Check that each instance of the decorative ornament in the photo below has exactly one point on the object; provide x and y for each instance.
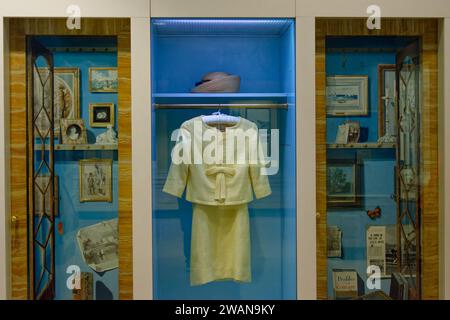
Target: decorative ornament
(375, 213)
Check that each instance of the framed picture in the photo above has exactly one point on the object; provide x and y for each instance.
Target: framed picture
(73, 131)
(103, 79)
(348, 132)
(343, 185)
(386, 102)
(95, 180)
(42, 195)
(66, 97)
(101, 114)
(347, 96)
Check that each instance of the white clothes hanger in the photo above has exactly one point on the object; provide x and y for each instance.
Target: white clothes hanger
(220, 118)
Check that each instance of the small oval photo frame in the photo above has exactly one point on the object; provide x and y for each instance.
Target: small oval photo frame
(101, 115)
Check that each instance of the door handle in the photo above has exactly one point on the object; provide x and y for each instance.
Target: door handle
(13, 220)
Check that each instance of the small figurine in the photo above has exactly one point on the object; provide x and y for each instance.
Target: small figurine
(375, 213)
(107, 137)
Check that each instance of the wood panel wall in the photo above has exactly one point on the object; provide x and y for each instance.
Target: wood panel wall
(426, 29)
(19, 29)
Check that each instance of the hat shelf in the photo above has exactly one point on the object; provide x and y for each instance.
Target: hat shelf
(259, 51)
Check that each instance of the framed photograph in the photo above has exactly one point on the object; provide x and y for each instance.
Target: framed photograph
(73, 131)
(343, 185)
(95, 180)
(66, 97)
(101, 114)
(103, 79)
(42, 195)
(386, 102)
(347, 96)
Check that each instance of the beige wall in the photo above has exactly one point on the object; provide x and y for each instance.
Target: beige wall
(389, 8)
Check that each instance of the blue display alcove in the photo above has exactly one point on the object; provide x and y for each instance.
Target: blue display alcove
(262, 53)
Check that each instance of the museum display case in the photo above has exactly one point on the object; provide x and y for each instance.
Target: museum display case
(223, 76)
(66, 147)
(380, 160)
(116, 135)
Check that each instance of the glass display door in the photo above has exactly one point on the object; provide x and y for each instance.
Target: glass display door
(408, 168)
(41, 171)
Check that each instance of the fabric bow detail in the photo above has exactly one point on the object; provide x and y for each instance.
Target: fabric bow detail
(220, 172)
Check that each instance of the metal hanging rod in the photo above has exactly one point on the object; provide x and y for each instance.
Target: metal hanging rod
(220, 105)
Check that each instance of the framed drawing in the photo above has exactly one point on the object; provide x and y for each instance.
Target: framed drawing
(101, 114)
(66, 97)
(343, 183)
(42, 195)
(73, 131)
(95, 180)
(347, 96)
(103, 79)
(386, 103)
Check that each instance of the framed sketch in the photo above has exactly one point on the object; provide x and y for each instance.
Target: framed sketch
(95, 180)
(334, 242)
(103, 79)
(347, 96)
(343, 183)
(101, 114)
(66, 97)
(42, 195)
(73, 131)
(386, 103)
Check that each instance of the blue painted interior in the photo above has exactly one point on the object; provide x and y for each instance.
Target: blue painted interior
(263, 54)
(377, 165)
(74, 214)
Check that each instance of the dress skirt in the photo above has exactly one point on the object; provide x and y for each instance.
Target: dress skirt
(220, 244)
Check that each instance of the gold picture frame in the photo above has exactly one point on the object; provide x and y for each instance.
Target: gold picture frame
(103, 79)
(101, 115)
(95, 180)
(347, 95)
(66, 87)
(73, 131)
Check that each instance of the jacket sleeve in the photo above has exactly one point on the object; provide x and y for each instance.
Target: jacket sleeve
(258, 176)
(179, 168)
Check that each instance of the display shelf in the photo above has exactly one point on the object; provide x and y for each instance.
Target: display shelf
(68, 147)
(177, 98)
(361, 145)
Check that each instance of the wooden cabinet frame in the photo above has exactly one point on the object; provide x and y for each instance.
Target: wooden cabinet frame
(427, 30)
(18, 30)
